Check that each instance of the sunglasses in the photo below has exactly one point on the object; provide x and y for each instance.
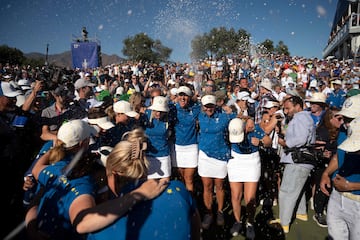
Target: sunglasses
(209, 106)
(209, 85)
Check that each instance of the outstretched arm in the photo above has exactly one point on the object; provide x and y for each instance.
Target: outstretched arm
(104, 214)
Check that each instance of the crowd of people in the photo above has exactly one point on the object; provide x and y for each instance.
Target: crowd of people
(134, 149)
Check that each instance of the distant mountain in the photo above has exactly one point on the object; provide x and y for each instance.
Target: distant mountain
(64, 60)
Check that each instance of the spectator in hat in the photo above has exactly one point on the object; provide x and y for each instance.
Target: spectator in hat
(158, 123)
(338, 95)
(348, 85)
(186, 134)
(222, 100)
(56, 219)
(99, 119)
(127, 169)
(313, 88)
(265, 94)
(317, 106)
(324, 88)
(84, 91)
(54, 115)
(214, 152)
(242, 104)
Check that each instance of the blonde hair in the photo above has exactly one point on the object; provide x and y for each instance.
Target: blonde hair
(58, 152)
(128, 156)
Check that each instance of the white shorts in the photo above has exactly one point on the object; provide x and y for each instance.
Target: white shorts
(211, 167)
(160, 167)
(186, 156)
(244, 167)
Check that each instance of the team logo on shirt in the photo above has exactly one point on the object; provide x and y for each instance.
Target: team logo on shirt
(348, 103)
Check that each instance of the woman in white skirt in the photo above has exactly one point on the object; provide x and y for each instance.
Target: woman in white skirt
(244, 169)
(158, 126)
(214, 152)
(186, 139)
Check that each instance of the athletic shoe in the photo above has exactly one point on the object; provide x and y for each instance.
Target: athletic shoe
(220, 221)
(250, 231)
(236, 229)
(285, 229)
(320, 219)
(208, 218)
(302, 217)
(277, 221)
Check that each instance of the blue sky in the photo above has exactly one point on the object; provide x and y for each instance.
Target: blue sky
(303, 25)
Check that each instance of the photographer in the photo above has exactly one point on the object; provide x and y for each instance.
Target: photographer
(300, 132)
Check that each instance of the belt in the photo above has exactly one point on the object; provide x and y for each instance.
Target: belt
(351, 196)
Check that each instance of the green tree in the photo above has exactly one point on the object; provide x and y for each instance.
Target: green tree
(199, 48)
(281, 48)
(142, 47)
(220, 42)
(11, 55)
(269, 45)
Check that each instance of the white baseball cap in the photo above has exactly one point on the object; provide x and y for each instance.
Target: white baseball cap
(123, 106)
(8, 90)
(318, 97)
(352, 142)
(270, 104)
(160, 104)
(184, 89)
(208, 99)
(351, 107)
(236, 130)
(245, 96)
(74, 131)
(102, 122)
(266, 83)
(82, 82)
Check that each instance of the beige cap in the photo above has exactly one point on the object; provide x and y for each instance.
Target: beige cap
(236, 130)
(123, 106)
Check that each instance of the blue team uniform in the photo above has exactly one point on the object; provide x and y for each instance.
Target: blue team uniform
(166, 217)
(213, 137)
(185, 124)
(60, 192)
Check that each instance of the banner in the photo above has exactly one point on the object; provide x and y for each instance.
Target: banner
(85, 55)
